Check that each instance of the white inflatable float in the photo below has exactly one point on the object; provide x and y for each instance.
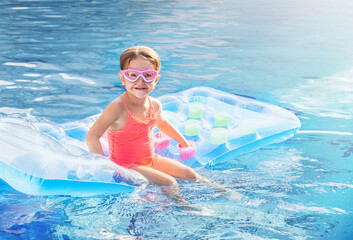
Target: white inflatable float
(46, 159)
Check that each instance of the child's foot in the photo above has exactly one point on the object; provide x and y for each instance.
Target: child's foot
(233, 195)
(198, 210)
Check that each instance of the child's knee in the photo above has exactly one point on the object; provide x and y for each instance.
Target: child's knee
(170, 182)
(190, 174)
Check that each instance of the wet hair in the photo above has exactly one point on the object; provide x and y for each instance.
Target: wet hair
(140, 52)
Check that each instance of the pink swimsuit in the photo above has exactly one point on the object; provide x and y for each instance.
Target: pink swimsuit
(134, 143)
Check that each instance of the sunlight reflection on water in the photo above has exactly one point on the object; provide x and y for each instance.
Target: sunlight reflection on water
(59, 63)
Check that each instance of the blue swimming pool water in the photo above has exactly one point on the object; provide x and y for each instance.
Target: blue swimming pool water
(59, 62)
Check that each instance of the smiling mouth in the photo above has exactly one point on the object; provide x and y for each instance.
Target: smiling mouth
(140, 88)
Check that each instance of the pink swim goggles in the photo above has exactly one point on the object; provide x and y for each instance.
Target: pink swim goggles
(132, 74)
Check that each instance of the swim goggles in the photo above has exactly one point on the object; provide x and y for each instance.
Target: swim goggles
(132, 74)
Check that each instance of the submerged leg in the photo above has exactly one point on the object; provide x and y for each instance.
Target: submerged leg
(168, 184)
(179, 170)
(212, 184)
(230, 194)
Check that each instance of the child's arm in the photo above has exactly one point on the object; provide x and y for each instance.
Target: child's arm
(109, 115)
(168, 129)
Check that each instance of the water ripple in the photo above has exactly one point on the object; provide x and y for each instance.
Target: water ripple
(59, 63)
(325, 97)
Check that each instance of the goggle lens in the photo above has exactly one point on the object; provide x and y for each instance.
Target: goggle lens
(132, 75)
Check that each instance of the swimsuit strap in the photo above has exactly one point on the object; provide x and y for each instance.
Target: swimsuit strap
(151, 107)
(124, 103)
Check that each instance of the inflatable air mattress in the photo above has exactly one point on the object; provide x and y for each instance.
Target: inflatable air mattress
(47, 159)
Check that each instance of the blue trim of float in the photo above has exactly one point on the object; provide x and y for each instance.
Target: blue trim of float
(33, 185)
(277, 138)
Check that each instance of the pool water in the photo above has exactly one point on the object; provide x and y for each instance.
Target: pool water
(59, 63)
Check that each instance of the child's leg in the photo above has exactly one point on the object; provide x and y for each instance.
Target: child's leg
(175, 168)
(168, 183)
(179, 170)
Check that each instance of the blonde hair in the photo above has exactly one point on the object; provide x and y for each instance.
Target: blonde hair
(140, 52)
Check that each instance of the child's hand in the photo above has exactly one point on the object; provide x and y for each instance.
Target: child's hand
(188, 150)
(185, 144)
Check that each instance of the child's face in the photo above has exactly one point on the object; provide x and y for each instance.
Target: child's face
(139, 88)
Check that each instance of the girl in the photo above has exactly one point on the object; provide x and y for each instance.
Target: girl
(130, 119)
